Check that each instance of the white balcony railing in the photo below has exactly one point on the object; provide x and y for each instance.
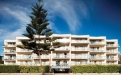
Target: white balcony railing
(10, 45)
(112, 51)
(24, 57)
(62, 48)
(79, 57)
(97, 50)
(62, 56)
(111, 45)
(23, 50)
(10, 52)
(79, 49)
(42, 57)
(79, 41)
(97, 42)
(112, 58)
(97, 57)
(10, 58)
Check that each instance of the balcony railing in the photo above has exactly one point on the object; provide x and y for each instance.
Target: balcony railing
(79, 57)
(23, 50)
(97, 57)
(62, 40)
(79, 41)
(10, 45)
(24, 57)
(112, 58)
(111, 45)
(97, 42)
(10, 52)
(79, 49)
(62, 56)
(112, 51)
(42, 57)
(97, 50)
(12, 58)
(62, 48)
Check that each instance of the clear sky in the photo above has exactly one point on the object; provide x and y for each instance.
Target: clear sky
(79, 17)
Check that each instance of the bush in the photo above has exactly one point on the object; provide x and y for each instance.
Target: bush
(33, 69)
(9, 68)
(1, 62)
(96, 69)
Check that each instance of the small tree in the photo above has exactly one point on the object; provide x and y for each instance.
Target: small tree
(39, 27)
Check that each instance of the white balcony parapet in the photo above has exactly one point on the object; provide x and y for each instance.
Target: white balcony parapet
(23, 50)
(97, 57)
(79, 41)
(112, 58)
(112, 51)
(111, 45)
(10, 45)
(42, 57)
(62, 48)
(97, 43)
(10, 58)
(10, 52)
(61, 56)
(24, 57)
(79, 57)
(97, 50)
(79, 49)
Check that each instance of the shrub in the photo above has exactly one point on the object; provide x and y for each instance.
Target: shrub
(9, 68)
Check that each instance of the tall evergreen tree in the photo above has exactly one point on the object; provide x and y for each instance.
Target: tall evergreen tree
(38, 27)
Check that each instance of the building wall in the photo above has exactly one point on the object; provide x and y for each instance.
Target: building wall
(75, 49)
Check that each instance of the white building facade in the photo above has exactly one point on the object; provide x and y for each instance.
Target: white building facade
(74, 50)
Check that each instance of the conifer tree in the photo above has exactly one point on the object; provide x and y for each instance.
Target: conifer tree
(37, 28)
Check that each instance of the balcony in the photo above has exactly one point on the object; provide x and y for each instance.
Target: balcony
(97, 43)
(75, 49)
(112, 59)
(24, 58)
(112, 52)
(79, 57)
(10, 45)
(61, 57)
(10, 52)
(64, 40)
(24, 51)
(79, 41)
(62, 49)
(97, 51)
(97, 58)
(112, 45)
(42, 57)
(10, 59)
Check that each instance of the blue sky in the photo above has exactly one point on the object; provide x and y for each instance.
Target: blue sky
(81, 17)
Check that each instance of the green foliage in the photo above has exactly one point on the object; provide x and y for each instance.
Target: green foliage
(1, 62)
(9, 68)
(33, 69)
(96, 68)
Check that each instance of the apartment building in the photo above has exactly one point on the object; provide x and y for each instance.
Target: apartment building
(74, 50)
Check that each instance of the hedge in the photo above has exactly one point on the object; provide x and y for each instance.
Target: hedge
(9, 68)
(33, 69)
(1, 62)
(96, 69)
(74, 69)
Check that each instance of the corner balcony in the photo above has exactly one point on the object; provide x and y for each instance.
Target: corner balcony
(79, 57)
(97, 51)
(10, 45)
(79, 41)
(111, 52)
(112, 45)
(112, 59)
(10, 52)
(61, 57)
(10, 59)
